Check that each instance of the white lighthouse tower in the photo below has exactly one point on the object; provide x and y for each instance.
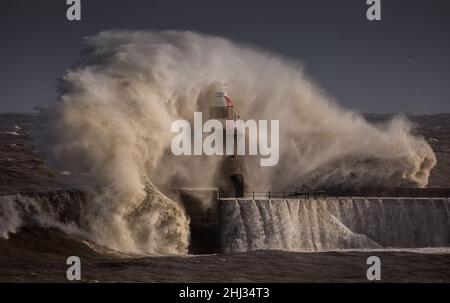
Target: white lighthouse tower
(222, 109)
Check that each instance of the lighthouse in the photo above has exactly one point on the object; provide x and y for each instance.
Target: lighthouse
(222, 107)
(231, 173)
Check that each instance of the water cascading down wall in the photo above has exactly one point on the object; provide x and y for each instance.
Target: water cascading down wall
(333, 223)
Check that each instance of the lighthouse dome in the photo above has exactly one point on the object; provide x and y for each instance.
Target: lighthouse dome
(222, 100)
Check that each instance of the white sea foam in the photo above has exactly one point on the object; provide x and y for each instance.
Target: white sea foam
(118, 102)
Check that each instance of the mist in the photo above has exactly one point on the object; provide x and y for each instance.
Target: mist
(113, 123)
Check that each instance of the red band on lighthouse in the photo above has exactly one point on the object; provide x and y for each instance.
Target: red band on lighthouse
(229, 101)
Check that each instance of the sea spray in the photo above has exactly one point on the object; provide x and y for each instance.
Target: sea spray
(116, 105)
(330, 224)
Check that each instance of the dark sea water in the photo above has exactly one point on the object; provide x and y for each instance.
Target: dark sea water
(36, 240)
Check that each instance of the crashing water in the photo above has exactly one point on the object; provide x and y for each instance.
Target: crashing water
(77, 213)
(63, 209)
(329, 224)
(113, 118)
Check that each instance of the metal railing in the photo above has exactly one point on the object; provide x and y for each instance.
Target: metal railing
(255, 195)
(403, 193)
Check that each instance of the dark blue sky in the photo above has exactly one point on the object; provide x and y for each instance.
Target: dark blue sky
(399, 64)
